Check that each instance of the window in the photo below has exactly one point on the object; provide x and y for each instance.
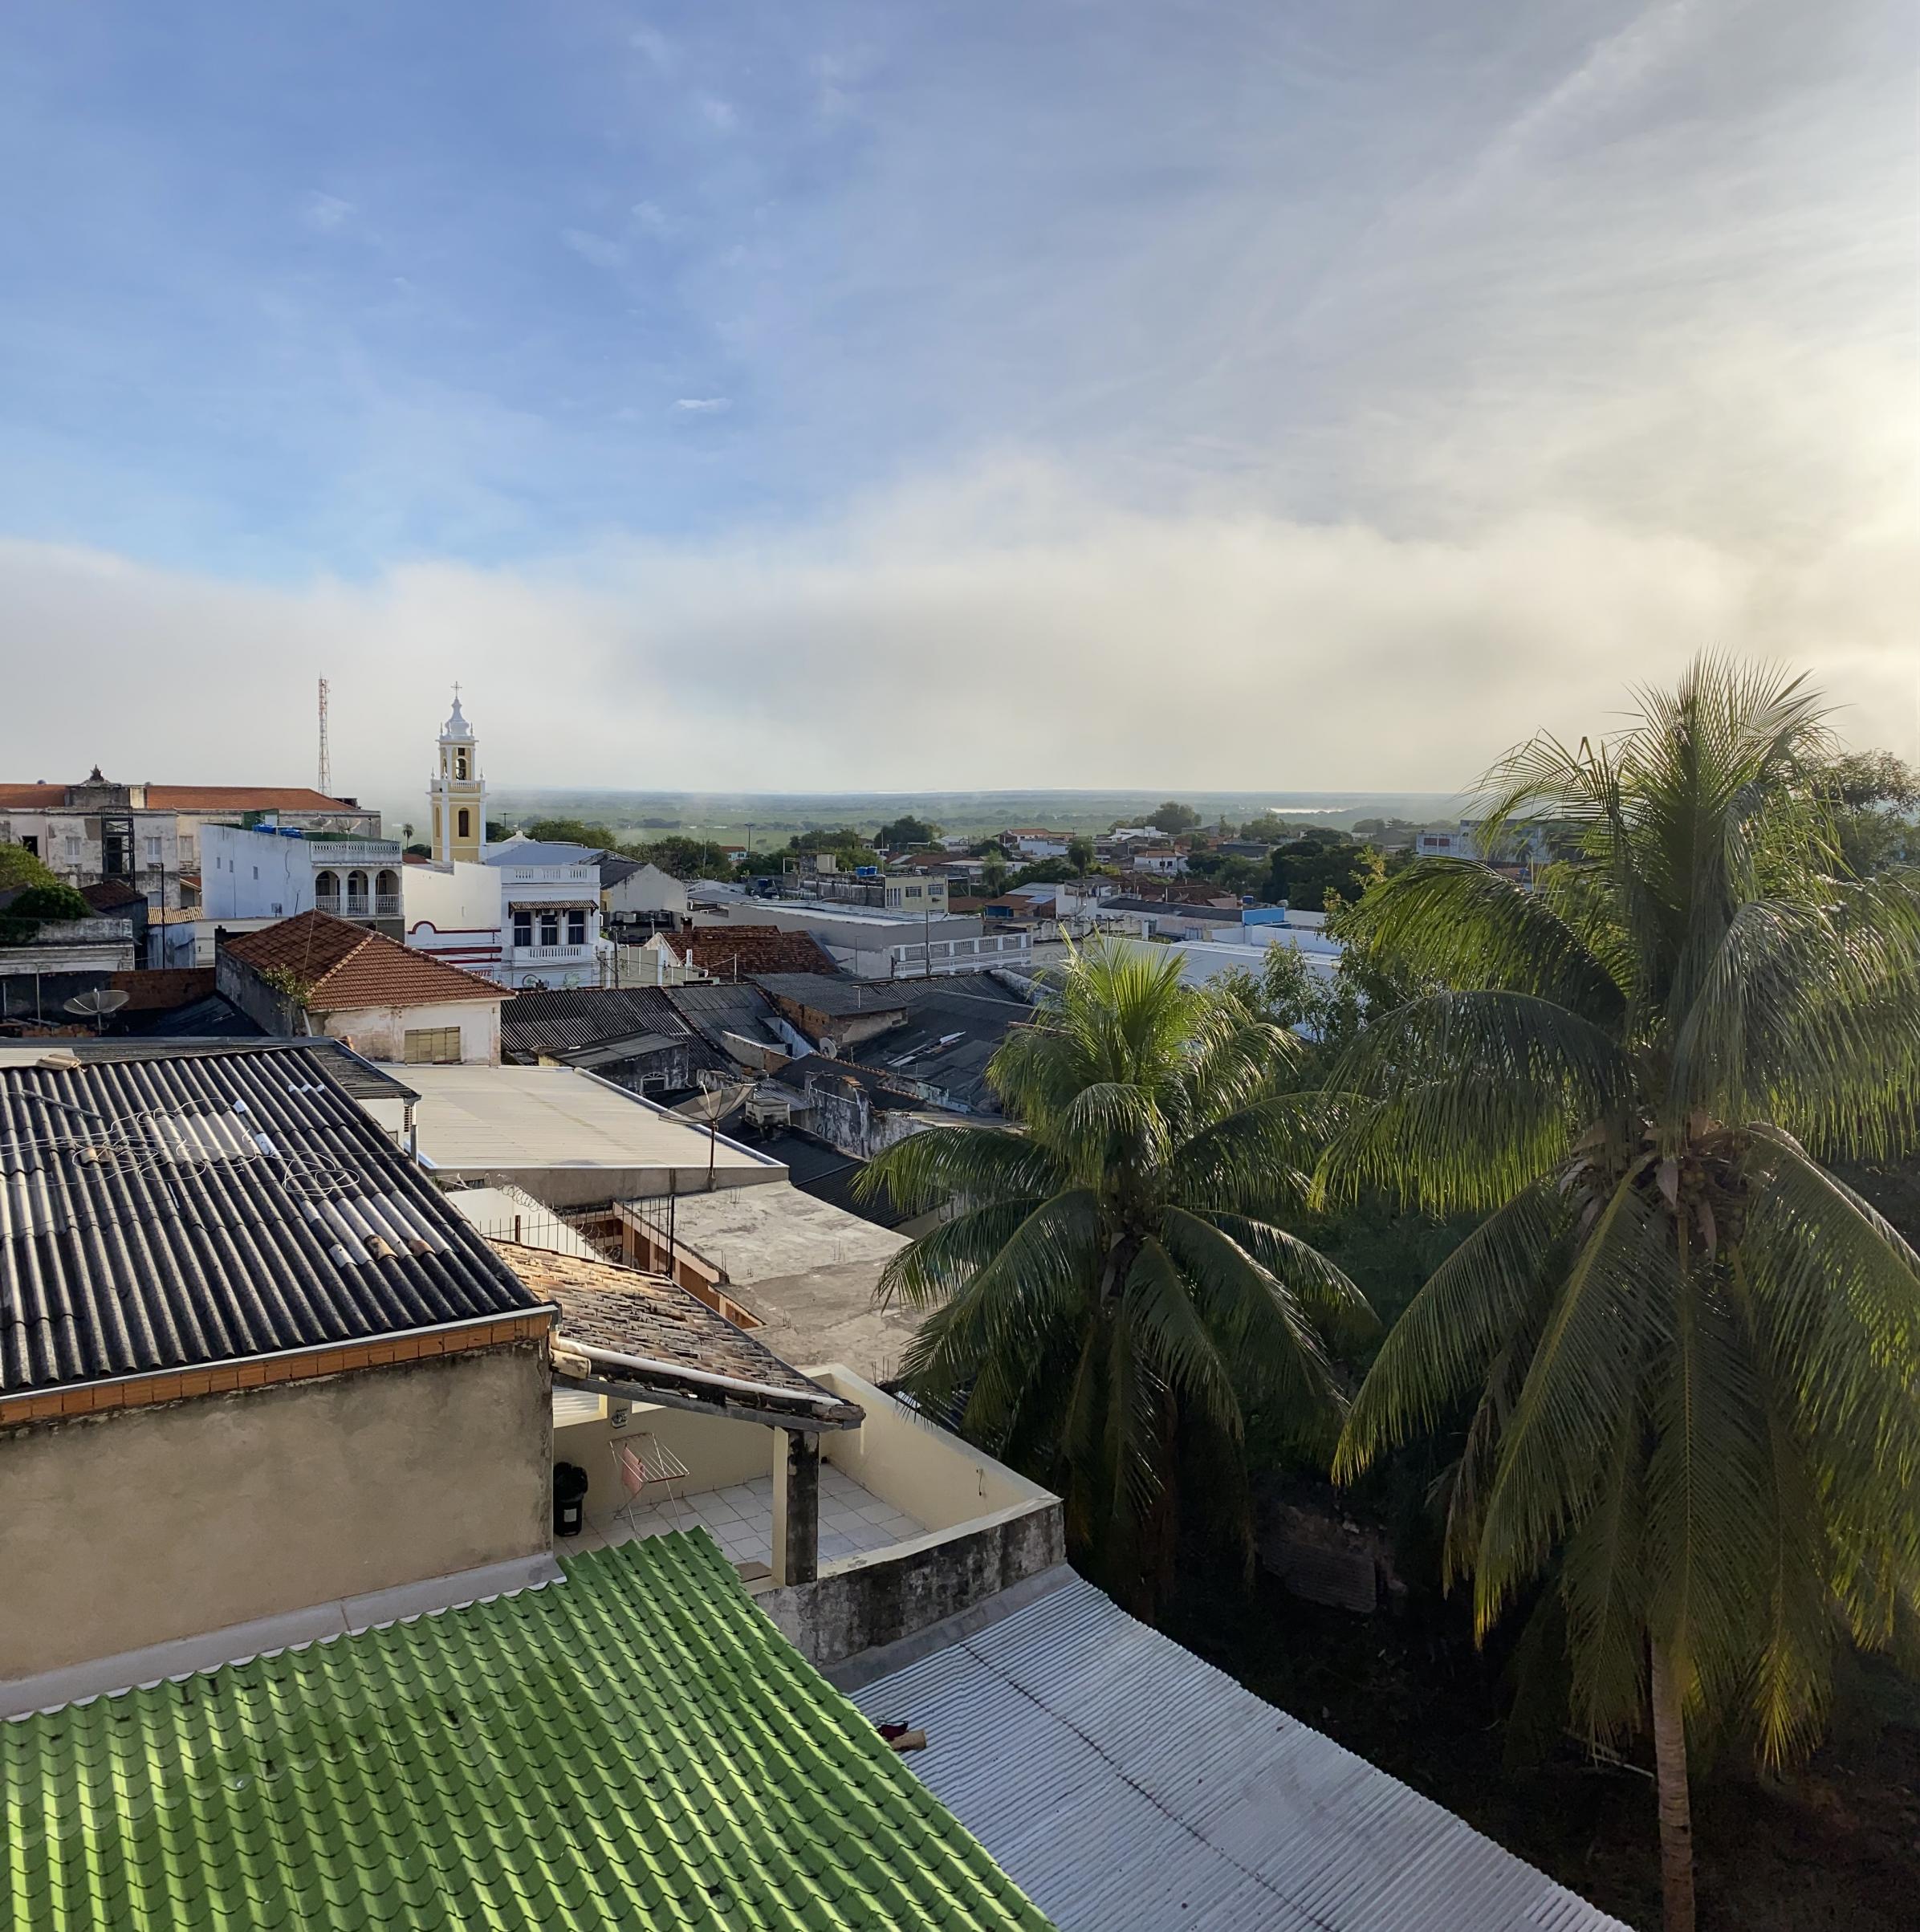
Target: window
(431, 1047)
(576, 928)
(465, 823)
(73, 846)
(460, 771)
(30, 842)
(153, 847)
(550, 929)
(522, 928)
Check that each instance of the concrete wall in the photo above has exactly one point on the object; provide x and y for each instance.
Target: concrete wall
(139, 1526)
(268, 1008)
(928, 1472)
(716, 1451)
(379, 1033)
(882, 1599)
(453, 911)
(255, 875)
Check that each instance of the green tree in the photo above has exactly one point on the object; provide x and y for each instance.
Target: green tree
(54, 901)
(993, 875)
(1872, 797)
(905, 831)
(1079, 854)
(19, 868)
(1304, 871)
(570, 832)
(1117, 1292)
(1685, 1355)
(1173, 817)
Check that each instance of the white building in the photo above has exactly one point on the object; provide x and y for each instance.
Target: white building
(151, 835)
(641, 897)
(1035, 842)
(521, 915)
(257, 876)
(1162, 861)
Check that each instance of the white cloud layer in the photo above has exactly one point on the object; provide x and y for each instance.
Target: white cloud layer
(1003, 626)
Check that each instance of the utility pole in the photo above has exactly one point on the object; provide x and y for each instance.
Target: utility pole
(325, 786)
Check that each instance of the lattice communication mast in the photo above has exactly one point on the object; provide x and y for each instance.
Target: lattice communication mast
(326, 783)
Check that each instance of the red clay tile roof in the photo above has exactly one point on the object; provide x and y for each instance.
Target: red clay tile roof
(349, 966)
(753, 949)
(192, 798)
(243, 798)
(105, 894)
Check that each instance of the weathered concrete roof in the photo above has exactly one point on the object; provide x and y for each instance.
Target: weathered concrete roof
(806, 1268)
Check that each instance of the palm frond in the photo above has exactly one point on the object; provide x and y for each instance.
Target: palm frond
(927, 1170)
(1441, 1348)
(1454, 922)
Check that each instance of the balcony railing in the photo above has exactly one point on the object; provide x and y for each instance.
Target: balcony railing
(360, 905)
(520, 953)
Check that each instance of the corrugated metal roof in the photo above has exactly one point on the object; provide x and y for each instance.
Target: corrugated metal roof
(163, 1213)
(353, 1076)
(832, 992)
(1127, 1786)
(564, 1020)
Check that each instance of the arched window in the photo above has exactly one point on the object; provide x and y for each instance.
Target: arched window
(387, 896)
(465, 823)
(356, 894)
(460, 762)
(327, 891)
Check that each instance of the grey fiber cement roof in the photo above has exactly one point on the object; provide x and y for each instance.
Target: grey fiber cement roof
(169, 1213)
(1127, 1786)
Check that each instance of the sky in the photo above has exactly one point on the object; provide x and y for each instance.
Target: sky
(836, 393)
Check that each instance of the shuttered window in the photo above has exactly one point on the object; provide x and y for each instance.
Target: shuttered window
(432, 1046)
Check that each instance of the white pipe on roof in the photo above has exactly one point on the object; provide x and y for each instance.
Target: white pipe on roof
(612, 1358)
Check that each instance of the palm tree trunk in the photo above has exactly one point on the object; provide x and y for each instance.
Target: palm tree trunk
(1676, 1812)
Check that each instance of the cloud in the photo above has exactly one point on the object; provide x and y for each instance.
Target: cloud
(599, 250)
(654, 46)
(1040, 632)
(651, 219)
(721, 115)
(325, 213)
(705, 405)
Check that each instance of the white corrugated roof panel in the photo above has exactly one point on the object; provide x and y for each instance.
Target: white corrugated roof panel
(1127, 1786)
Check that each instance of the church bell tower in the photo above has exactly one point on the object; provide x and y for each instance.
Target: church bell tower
(458, 794)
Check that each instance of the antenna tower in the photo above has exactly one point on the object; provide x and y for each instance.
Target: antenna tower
(326, 783)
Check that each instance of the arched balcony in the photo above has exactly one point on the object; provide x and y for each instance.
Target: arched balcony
(327, 892)
(386, 896)
(358, 906)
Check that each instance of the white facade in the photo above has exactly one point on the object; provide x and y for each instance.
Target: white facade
(418, 1035)
(1033, 843)
(647, 892)
(267, 875)
(520, 923)
(1162, 864)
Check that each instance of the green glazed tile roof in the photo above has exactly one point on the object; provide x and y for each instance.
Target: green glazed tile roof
(638, 1748)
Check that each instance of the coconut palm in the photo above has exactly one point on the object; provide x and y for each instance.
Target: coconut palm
(1685, 1356)
(1115, 1291)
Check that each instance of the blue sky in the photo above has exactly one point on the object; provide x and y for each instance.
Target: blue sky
(1038, 357)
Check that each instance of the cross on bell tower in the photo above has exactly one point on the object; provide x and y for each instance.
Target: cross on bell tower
(457, 794)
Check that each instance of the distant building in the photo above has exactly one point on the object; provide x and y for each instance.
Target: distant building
(637, 898)
(549, 913)
(1035, 842)
(150, 835)
(1159, 862)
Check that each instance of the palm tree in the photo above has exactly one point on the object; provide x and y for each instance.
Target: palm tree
(1114, 1293)
(1685, 1355)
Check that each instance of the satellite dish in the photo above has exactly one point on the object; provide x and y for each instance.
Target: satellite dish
(96, 1005)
